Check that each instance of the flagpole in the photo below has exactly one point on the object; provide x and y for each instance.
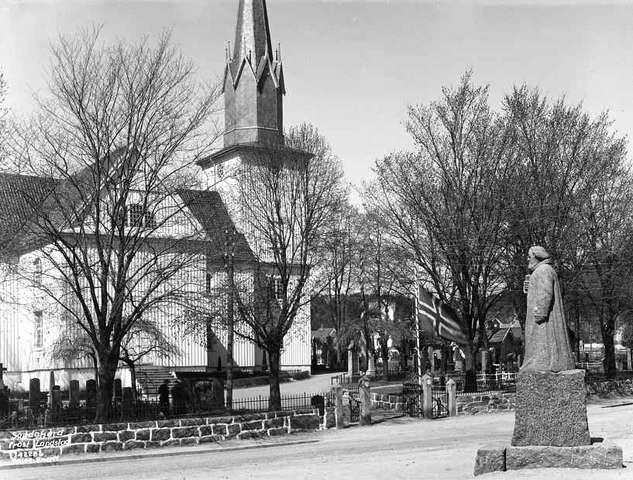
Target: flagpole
(417, 332)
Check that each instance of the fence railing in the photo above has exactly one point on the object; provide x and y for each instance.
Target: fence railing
(21, 416)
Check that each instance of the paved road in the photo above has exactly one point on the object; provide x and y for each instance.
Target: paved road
(398, 449)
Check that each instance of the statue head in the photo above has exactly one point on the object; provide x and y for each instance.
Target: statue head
(536, 254)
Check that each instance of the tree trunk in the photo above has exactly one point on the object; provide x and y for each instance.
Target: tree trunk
(470, 382)
(607, 327)
(274, 362)
(105, 381)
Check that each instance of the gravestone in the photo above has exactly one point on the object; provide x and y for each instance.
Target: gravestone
(35, 395)
(365, 401)
(73, 391)
(352, 360)
(91, 396)
(127, 402)
(117, 391)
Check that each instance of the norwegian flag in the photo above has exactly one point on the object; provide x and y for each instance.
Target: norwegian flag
(442, 317)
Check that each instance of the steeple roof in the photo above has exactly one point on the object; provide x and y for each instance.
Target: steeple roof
(252, 34)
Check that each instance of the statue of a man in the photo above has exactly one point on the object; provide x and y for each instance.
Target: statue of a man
(547, 346)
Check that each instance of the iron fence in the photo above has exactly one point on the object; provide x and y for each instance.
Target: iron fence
(303, 401)
(20, 416)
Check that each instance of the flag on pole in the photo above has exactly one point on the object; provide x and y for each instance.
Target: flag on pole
(442, 317)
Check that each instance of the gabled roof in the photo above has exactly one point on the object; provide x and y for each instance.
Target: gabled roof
(20, 197)
(209, 210)
(323, 333)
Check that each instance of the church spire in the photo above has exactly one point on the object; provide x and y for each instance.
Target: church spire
(253, 81)
(252, 34)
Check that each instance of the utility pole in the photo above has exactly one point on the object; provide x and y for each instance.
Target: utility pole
(229, 264)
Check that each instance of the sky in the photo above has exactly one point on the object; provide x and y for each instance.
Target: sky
(352, 67)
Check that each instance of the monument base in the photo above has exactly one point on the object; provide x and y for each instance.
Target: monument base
(551, 409)
(600, 454)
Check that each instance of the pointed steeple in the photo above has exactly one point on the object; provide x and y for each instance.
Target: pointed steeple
(252, 34)
(253, 81)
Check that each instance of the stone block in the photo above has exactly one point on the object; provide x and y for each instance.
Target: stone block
(81, 438)
(170, 443)
(152, 444)
(205, 430)
(132, 444)
(551, 409)
(160, 434)
(249, 434)
(104, 436)
(88, 428)
(93, 448)
(598, 455)
(142, 434)
(111, 446)
(233, 429)
(126, 435)
(183, 432)
(212, 420)
(50, 451)
(167, 423)
(139, 425)
(490, 458)
(273, 432)
(115, 427)
(73, 449)
(305, 422)
(190, 422)
(257, 425)
(218, 429)
(189, 441)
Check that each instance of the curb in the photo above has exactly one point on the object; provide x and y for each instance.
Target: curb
(154, 453)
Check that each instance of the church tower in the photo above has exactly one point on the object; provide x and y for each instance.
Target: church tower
(253, 81)
(253, 91)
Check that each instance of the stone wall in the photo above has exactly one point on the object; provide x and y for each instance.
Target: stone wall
(485, 402)
(50, 443)
(387, 401)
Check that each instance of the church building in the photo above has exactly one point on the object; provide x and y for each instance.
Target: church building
(253, 92)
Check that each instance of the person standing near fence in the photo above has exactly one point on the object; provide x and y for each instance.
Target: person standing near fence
(163, 397)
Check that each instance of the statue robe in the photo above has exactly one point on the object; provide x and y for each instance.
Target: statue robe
(547, 346)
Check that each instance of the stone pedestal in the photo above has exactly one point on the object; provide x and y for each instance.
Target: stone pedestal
(74, 394)
(494, 458)
(551, 409)
(550, 428)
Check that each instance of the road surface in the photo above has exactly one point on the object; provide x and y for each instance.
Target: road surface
(400, 448)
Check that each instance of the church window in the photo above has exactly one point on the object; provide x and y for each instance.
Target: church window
(136, 214)
(140, 216)
(150, 220)
(38, 338)
(37, 271)
(276, 287)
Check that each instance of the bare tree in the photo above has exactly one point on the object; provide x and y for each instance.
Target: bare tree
(339, 274)
(444, 203)
(287, 201)
(608, 243)
(116, 138)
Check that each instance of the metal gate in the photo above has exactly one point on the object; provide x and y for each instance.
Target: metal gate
(413, 398)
